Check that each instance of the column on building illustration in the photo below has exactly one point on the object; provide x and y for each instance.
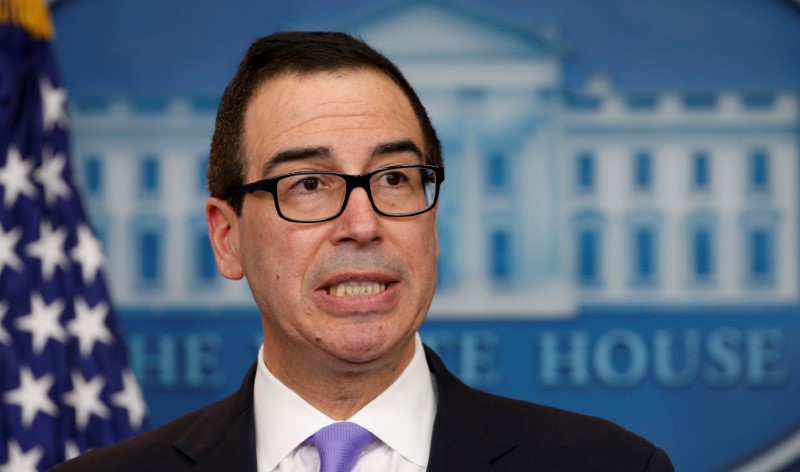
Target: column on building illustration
(498, 194)
(759, 224)
(542, 261)
(450, 209)
(472, 233)
(586, 223)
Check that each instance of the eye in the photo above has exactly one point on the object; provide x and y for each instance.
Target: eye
(394, 178)
(305, 183)
(310, 183)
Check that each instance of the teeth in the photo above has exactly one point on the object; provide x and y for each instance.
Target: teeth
(353, 288)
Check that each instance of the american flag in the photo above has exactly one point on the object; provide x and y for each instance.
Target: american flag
(64, 382)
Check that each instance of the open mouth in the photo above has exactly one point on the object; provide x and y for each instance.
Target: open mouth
(352, 288)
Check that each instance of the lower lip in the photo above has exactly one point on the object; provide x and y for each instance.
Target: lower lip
(357, 304)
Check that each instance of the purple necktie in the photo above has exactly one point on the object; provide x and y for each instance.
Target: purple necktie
(339, 445)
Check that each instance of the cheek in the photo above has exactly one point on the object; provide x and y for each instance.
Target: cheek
(261, 252)
(421, 246)
(288, 254)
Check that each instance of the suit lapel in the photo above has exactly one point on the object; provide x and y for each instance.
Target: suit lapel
(224, 437)
(465, 437)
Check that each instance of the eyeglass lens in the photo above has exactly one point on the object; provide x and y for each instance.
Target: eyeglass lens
(396, 192)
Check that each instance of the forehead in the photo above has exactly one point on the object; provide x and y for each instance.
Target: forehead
(345, 111)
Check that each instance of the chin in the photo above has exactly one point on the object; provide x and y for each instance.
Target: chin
(362, 348)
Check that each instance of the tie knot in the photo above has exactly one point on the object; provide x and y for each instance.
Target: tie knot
(339, 445)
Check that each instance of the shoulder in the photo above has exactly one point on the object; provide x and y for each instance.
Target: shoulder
(571, 440)
(523, 432)
(158, 449)
(556, 429)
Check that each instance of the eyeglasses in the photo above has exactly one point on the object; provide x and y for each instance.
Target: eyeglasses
(315, 196)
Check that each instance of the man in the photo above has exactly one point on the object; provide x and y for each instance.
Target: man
(324, 175)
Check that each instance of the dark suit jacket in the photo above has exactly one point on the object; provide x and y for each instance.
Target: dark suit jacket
(473, 431)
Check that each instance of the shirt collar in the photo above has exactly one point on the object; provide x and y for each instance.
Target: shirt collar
(401, 416)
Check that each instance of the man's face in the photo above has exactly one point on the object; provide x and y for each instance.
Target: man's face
(349, 122)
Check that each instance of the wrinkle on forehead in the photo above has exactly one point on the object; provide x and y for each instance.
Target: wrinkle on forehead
(322, 153)
(285, 89)
(296, 107)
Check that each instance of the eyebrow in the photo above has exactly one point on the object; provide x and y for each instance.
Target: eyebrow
(398, 147)
(325, 153)
(291, 155)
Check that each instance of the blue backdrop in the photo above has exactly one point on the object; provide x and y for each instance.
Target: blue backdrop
(619, 224)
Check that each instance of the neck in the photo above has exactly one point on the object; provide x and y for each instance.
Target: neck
(335, 387)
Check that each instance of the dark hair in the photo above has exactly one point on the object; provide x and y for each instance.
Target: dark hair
(293, 52)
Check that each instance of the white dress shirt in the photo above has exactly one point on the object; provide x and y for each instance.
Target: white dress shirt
(401, 418)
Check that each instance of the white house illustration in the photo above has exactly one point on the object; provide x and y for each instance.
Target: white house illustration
(554, 198)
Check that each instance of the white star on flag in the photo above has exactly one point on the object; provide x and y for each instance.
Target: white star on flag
(88, 254)
(54, 102)
(50, 175)
(85, 399)
(15, 177)
(5, 338)
(131, 399)
(32, 396)
(71, 450)
(42, 322)
(89, 326)
(49, 248)
(19, 461)
(8, 255)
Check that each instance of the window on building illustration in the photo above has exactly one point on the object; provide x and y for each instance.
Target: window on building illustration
(149, 175)
(150, 105)
(150, 254)
(642, 171)
(701, 250)
(588, 247)
(762, 257)
(702, 254)
(641, 102)
(758, 100)
(588, 256)
(644, 250)
(759, 171)
(446, 271)
(206, 269)
(585, 172)
(500, 255)
(202, 167)
(581, 101)
(760, 235)
(93, 175)
(700, 101)
(701, 171)
(91, 105)
(497, 173)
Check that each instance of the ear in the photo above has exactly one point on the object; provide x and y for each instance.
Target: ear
(223, 232)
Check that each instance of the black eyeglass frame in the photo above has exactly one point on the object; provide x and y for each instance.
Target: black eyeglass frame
(270, 185)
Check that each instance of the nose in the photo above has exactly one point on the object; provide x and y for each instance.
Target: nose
(359, 223)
